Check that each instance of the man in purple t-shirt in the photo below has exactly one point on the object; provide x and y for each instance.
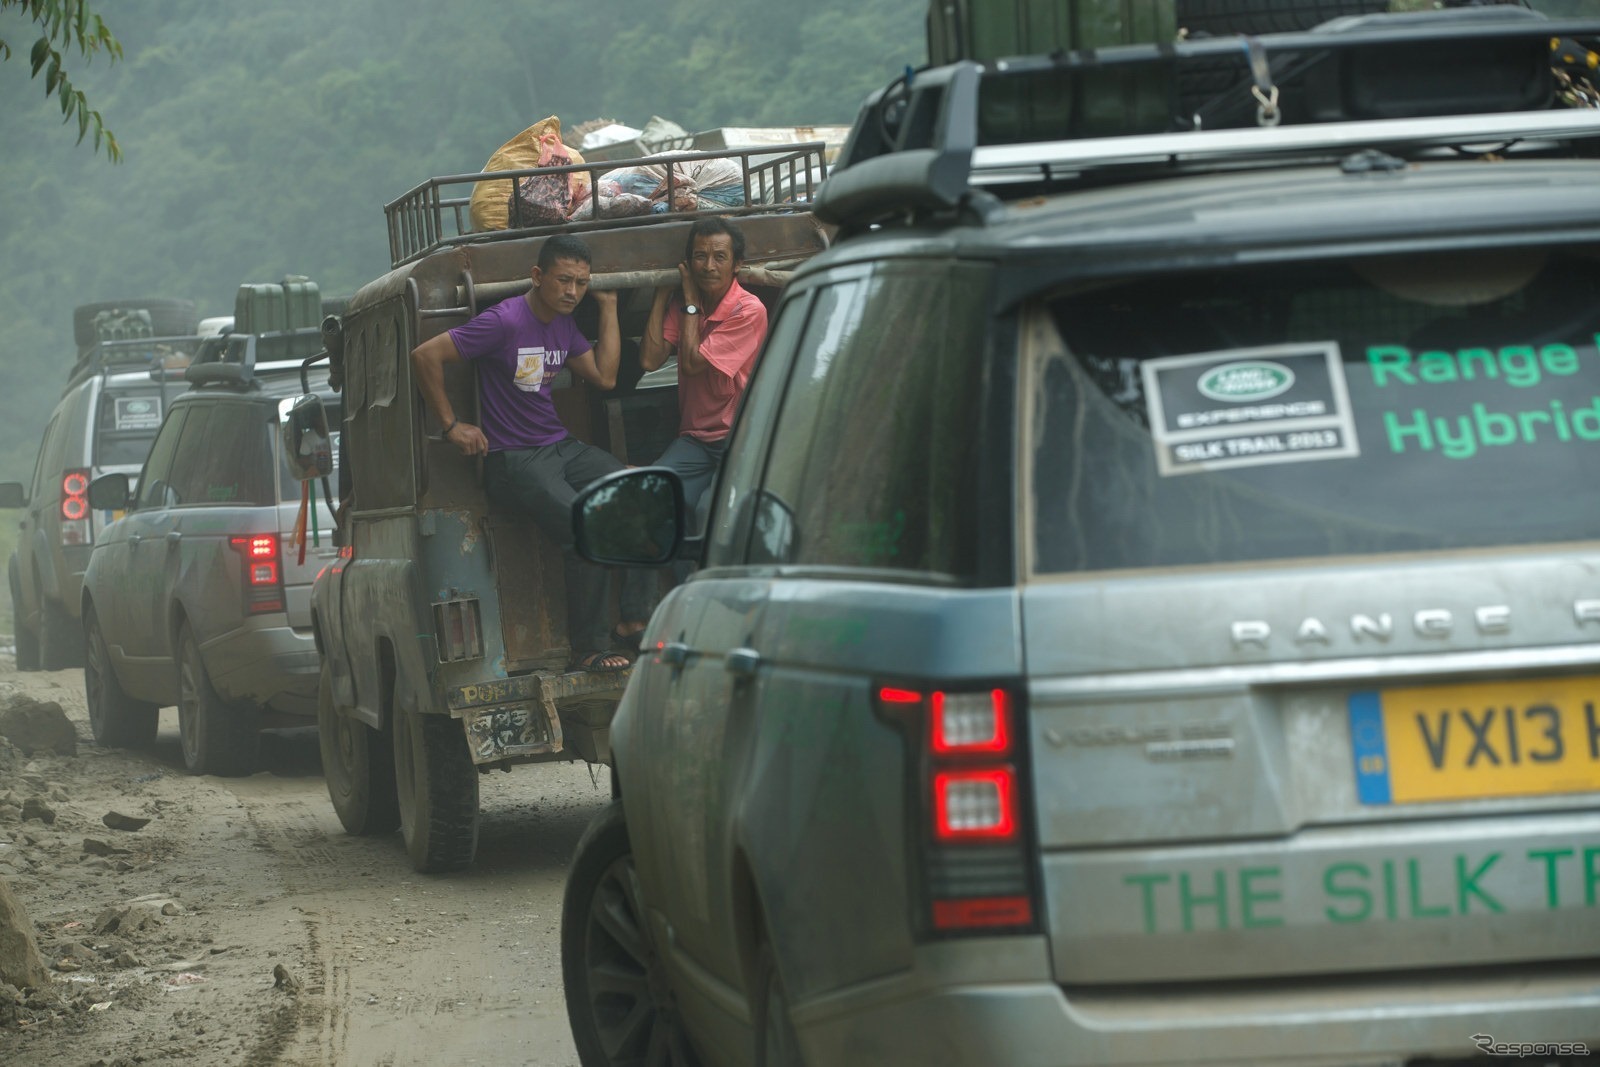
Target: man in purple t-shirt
(531, 463)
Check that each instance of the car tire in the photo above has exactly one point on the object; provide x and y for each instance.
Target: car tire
(603, 934)
(60, 637)
(27, 642)
(116, 719)
(219, 736)
(168, 318)
(436, 783)
(776, 1043)
(358, 765)
(1221, 18)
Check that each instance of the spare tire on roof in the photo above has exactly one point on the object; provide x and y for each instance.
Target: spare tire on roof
(168, 318)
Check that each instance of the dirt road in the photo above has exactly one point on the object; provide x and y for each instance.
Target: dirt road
(242, 926)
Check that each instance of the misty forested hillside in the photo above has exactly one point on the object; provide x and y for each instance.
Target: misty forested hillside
(261, 141)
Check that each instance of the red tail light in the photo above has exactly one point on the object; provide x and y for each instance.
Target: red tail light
(75, 507)
(974, 853)
(263, 573)
(975, 805)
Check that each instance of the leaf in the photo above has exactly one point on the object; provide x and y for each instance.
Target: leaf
(52, 78)
(41, 52)
(83, 123)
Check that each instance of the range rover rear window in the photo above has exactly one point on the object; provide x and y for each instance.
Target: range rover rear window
(1398, 404)
(128, 420)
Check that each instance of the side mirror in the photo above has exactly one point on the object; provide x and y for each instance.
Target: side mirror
(307, 445)
(13, 495)
(633, 518)
(109, 492)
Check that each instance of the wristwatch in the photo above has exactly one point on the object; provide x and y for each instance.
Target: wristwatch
(691, 309)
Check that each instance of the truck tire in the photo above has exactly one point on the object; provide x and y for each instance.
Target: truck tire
(603, 934)
(1222, 18)
(358, 764)
(219, 737)
(437, 785)
(60, 637)
(168, 318)
(117, 720)
(27, 642)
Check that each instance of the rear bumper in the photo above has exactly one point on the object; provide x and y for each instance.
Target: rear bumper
(924, 1017)
(266, 663)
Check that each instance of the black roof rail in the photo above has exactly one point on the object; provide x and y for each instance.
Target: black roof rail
(232, 360)
(934, 139)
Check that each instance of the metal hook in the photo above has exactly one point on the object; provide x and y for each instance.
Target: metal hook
(1265, 92)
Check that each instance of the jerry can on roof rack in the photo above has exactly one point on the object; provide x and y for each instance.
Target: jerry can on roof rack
(985, 30)
(302, 302)
(259, 308)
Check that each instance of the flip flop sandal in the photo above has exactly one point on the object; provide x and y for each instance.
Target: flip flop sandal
(595, 662)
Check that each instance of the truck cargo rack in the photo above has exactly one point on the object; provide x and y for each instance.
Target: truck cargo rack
(936, 140)
(436, 214)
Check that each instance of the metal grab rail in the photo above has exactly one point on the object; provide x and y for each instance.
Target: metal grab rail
(424, 219)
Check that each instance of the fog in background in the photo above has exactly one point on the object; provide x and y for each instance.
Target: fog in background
(263, 140)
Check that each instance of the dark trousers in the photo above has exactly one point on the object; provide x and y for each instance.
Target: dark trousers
(696, 464)
(542, 483)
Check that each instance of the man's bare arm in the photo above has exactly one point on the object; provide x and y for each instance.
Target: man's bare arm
(427, 365)
(653, 347)
(599, 365)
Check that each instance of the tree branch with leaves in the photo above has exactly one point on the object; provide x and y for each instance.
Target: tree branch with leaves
(65, 25)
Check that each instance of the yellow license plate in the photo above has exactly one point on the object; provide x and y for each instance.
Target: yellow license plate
(1461, 742)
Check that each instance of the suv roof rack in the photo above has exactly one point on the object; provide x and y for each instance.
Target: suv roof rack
(131, 354)
(777, 178)
(935, 140)
(230, 360)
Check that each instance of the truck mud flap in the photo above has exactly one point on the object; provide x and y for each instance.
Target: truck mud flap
(519, 717)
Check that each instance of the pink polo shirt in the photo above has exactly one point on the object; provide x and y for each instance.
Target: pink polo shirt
(730, 337)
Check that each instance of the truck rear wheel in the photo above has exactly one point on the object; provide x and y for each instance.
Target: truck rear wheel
(437, 785)
(60, 637)
(219, 737)
(358, 763)
(27, 642)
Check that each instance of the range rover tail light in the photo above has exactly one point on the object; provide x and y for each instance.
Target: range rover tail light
(263, 573)
(75, 528)
(972, 852)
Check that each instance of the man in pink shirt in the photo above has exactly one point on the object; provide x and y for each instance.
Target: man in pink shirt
(716, 328)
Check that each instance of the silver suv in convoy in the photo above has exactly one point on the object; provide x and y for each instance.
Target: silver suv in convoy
(1150, 612)
(104, 422)
(199, 595)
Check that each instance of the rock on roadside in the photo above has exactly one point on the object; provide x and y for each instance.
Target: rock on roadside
(36, 726)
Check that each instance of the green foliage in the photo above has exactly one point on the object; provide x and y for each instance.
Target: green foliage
(69, 24)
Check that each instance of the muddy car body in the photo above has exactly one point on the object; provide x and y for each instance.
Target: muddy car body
(1195, 662)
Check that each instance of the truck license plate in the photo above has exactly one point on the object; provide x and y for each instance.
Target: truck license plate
(1529, 737)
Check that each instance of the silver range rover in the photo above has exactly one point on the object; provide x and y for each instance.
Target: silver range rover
(1148, 616)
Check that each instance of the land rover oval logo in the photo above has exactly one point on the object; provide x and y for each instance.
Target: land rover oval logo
(1236, 382)
(138, 407)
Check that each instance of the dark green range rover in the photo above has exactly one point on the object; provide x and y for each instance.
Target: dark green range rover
(1151, 611)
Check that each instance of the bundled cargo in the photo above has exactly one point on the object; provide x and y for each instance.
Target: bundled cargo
(539, 199)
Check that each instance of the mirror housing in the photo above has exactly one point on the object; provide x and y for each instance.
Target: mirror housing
(307, 445)
(110, 492)
(13, 495)
(633, 518)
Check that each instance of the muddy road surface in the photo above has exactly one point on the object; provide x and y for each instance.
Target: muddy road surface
(242, 926)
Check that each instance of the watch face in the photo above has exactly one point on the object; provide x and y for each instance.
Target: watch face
(691, 309)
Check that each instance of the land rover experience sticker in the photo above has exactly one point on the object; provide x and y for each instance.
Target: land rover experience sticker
(137, 413)
(1249, 407)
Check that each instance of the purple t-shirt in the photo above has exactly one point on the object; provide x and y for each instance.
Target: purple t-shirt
(517, 356)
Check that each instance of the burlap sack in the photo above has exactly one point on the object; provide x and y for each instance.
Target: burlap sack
(489, 199)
